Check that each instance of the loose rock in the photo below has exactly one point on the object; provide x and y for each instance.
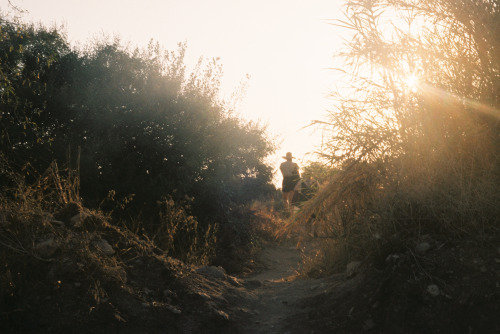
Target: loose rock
(423, 247)
(104, 246)
(352, 268)
(173, 309)
(212, 271)
(47, 247)
(433, 290)
(77, 220)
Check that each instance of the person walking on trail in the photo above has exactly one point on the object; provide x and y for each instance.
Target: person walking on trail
(291, 175)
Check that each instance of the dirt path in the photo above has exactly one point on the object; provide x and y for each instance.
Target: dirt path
(277, 289)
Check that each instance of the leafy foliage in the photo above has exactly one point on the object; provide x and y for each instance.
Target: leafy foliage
(132, 122)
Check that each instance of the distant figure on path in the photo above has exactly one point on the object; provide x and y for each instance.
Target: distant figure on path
(291, 175)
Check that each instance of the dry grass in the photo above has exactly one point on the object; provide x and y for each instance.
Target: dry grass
(412, 160)
(34, 205)
(179, 235)
(371, 209)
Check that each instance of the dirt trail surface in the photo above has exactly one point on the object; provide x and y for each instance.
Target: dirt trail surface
(276, 291)
(446, 287)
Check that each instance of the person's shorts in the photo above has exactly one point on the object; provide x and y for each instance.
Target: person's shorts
(289, 183)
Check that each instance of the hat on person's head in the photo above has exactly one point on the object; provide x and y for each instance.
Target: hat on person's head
(288, 156)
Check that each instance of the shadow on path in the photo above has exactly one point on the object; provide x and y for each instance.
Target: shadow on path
(276, 290)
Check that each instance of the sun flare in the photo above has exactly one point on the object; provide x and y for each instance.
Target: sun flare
(411, 81)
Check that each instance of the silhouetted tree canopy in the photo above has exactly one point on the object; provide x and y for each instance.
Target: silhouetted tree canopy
(134, 122)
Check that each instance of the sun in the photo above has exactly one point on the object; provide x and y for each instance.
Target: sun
(411, 81)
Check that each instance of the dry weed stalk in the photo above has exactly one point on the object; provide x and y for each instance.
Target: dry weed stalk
(179, 235)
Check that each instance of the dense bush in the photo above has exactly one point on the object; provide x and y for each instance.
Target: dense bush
(133, 124)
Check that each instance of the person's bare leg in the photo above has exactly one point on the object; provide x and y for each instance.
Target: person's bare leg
(290, 197)
(285, 200)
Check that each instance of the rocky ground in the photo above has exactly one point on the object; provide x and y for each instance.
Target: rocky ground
(436, 285)
(86, 276)
(445, 286)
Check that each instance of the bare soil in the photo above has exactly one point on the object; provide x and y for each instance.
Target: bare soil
(448, 286)
(277, 289)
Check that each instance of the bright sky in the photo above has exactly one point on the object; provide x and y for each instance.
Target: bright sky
(286, 46)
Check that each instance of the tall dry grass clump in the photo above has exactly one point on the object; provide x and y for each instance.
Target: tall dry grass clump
(416, 136)
(179, 235)
(28, 202)
(33, 205)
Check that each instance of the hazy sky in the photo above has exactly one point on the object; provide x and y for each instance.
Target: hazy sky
(286, 46)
